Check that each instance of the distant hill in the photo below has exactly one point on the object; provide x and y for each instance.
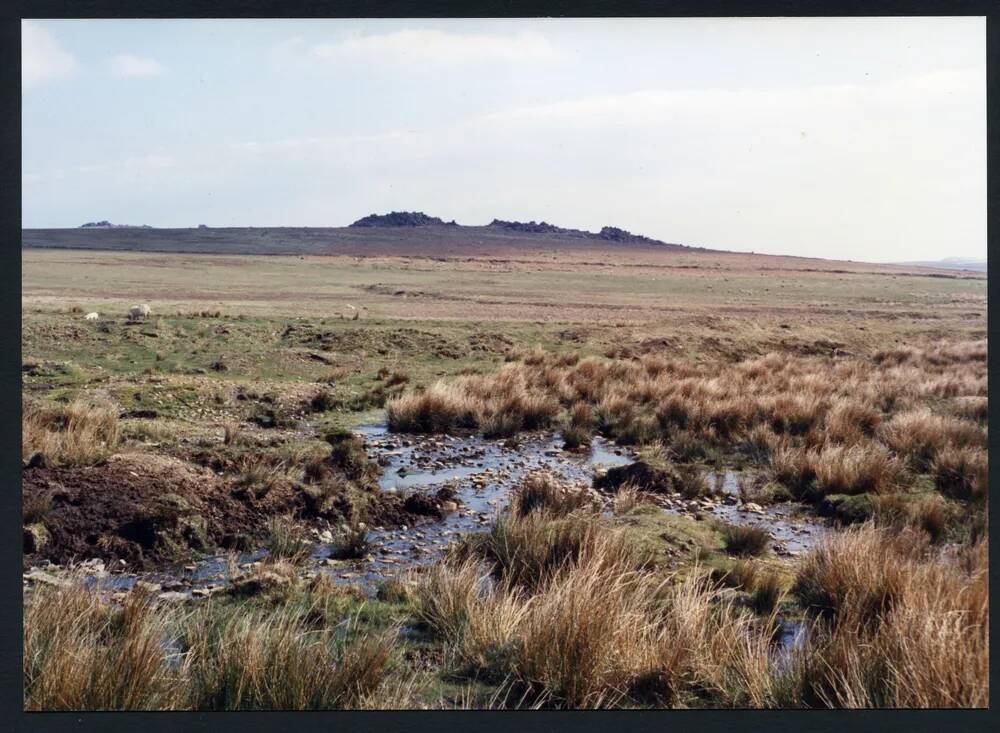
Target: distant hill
(951, 263)
(401, 219)
(409, 233)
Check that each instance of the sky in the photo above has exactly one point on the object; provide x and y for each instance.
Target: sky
(845, 138)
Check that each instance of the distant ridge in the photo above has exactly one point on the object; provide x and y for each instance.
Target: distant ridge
(412, 233)
(420, 219)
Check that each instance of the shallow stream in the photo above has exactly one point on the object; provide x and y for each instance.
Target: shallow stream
(482, 473)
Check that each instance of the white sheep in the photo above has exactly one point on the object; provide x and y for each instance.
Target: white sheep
(138, 311)
(92, 316)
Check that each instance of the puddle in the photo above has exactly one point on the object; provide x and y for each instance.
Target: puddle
(723, 482)
(791, 636)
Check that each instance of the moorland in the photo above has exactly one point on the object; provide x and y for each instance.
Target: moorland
(455, 467)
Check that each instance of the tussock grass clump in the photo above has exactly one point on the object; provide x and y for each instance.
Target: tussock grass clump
(275, 579)
(961, 473)
(739, 573)
(796, 414)
(35, 508)
(586, 636)
(766, 592)
(527, 551)
(499, 406)
(861, 468)
(441, 408)
(542, 491)
(858, 568)
(351, 541)
(447, 596)
(594, 629)
(745, 540)
(274, 661)
(793, 468)
(322, 401)
(84, 432)
(349, 457)
(576, 437)
(600, 634)
(627, 498)
(851, 422)
(690, 482)
(971, 408)
(261, 476)
(921, 434)
(857, 469)
(760, 442)
(232, 433)
(899, 627)
(396, 589)
(80, 653)
(929, 513)
(826, 424)
(284, 540)
(459, 602)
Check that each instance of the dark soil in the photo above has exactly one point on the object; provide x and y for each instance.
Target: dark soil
(641, 475)
(143, 512)
(150, 511)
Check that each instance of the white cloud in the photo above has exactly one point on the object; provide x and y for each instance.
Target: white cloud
(127, 65)
(419, 44)
(42, 59)
(855, 170)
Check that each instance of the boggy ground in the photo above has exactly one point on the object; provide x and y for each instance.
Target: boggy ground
(850, 398)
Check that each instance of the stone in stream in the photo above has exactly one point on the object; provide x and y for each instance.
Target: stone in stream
(37, 575)
(172, 597)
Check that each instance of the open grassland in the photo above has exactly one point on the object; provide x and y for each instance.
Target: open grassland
(850, 391)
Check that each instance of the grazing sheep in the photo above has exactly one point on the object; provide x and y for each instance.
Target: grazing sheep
(138, 311)
(92, 316)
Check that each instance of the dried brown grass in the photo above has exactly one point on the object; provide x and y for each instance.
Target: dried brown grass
(82, 654)
(850, 422)
(84, 432)
(898, 625)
